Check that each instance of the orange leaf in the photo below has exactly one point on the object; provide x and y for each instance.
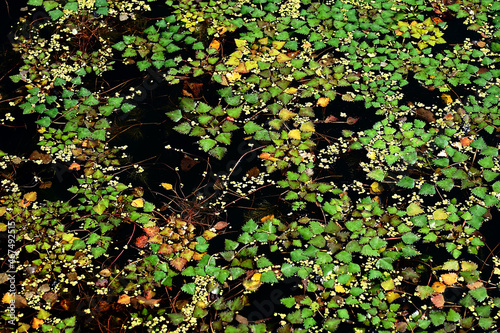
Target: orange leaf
(214, 45)
(124, 299)
(36, 323)
(178, 263)
(74, 166)
(267, 218)
(139, 203)
(30, 196)
(465, 141)
(267, 156)
(438, 301)
(24, 203)
(449, 278)
(323, 101)
(438, 287)
(151, 231)
(65, 304)
(449, 116)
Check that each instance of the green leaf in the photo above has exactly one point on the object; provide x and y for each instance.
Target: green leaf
(445, 184)
(377, 174)
(406, 182)
(427, 189)
(189, 288)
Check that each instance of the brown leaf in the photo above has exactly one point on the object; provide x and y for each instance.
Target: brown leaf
(331, 119)
(50, 297)
(36, 155)
(187, 163)
(425, 115)
(103, 306)
(105, 272)
(178, 263)
(220, 225)
(165, 249)
(242, 320)
(151, 231)
(438, 301)
(148, 302)
(352, 120)
(253, 172)
(44, 185)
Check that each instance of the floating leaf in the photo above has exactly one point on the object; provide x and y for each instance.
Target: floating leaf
(138, 203)
(294, 134)
(414, 209)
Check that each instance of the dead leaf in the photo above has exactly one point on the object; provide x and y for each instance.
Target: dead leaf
(44, 185)
(147, 302)
(36, 323)
(103, 306)
(208, 235)
(446, 98)
(30, 196)
(187, 163)
(438, 301)
(267, 156)
(425, 115)
(36, 155)
(178, 263)
(323, 101)
(253, 172)
(475, 285)
(220, 225)
(141, 241)
(65, 304)
(465, 141)
(138, 203)
(165, 249)
(351, 120)
(105, 272)
(124, 299)
(7, 298)
(151, 231)
(215, 44)
(267, 218)
(74, 166)
(438, 287)
(167, 186)
(449, 278)
(331, 119)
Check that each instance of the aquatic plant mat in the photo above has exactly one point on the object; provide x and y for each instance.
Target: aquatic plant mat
(251, 166)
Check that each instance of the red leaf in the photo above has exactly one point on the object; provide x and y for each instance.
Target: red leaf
(438, 301)
(352, 121)
(220, 225)
(141, 241)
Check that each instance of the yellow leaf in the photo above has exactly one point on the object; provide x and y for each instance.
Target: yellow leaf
(3, 227)
(285, 114)
(30, 196)
(167, 186)
(290, 90)
(231, 77)
(240, 42)
(323, 101)
(376, 188)
(251, 285)
(391, 296)
(278, 44)
(307, 127)
(139, 203)
(3, 210)
(446, 98)
(440, 214)
(294, 134)
(256, 277)
(264, 41)
(250, 64)
(208, 235)
(388, 284)
(273, 52)
(371, 155)
(281, 58)
(339, 288)
(7, 298)
(233, 61)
